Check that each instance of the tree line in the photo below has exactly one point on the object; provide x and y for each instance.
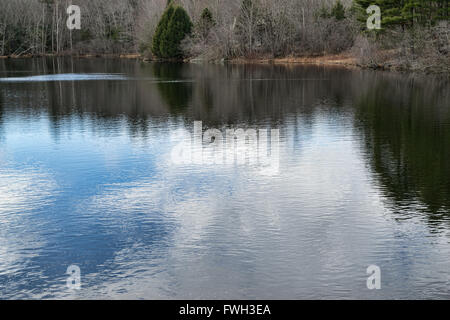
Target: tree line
(407, 13)
(39, 26)
(217, 29)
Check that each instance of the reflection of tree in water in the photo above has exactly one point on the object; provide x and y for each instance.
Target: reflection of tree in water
(175, 92)
(407, 138)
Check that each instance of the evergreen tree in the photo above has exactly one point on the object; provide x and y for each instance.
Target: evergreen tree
(178, 28)
(414, 11)
(338, 11)
(160, 29)
(442, 10)
(406, 13)
(205, 23)
(323, 13)
(391, 12)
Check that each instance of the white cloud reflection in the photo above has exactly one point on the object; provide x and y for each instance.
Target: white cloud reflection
(239, 234)
(22, 192)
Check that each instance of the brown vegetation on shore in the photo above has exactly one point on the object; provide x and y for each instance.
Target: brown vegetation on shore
(326, 32)
(342, 59)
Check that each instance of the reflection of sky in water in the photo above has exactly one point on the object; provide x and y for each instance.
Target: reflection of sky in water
(65, 77)
(86, 179)
(140, 227)
(82, 165)
(82, 77)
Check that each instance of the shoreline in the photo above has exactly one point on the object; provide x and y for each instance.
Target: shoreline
(329, 60)
(344, 60)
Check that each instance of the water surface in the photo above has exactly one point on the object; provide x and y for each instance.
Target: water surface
(86, 179)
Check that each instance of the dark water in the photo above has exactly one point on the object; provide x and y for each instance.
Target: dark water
(86, 179)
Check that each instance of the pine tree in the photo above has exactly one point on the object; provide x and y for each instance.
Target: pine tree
(178, 28)
(160, 29)
(442, 10)
(391, 12)
(205, 23)
(338, 11)
(414, 11)
(406, 13)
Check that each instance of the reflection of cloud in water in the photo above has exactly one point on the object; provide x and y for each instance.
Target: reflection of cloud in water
(134, 212)
(149, 265)
(21, 193)
(87, 77)
(237, 233)
(21, 190)
(66, 77)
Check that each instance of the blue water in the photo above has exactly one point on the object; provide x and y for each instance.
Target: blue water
(86, 179)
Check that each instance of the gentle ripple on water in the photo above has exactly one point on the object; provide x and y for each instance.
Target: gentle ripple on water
(86, 178)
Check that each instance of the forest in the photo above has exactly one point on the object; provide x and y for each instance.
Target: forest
(414, 34)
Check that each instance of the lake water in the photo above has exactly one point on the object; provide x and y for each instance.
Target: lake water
(87, 178)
